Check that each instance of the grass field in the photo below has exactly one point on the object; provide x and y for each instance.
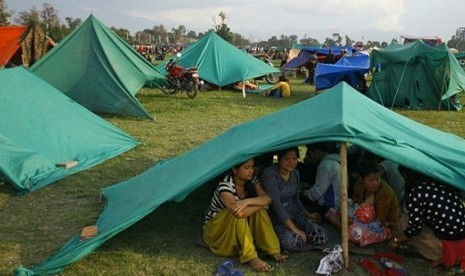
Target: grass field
(33, 226)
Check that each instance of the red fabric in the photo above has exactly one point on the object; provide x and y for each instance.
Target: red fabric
(371, 267)
(9, 42)
(365, 213)
(453, 252)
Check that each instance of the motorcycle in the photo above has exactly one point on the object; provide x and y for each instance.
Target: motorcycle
(181, 79)
(271, 78)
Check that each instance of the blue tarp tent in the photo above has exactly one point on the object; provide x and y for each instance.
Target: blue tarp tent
(340, 114)
(354, 67)
(304, 55)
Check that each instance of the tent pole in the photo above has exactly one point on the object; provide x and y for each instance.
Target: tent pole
(398, 86)
(243, 89)
(344, 207)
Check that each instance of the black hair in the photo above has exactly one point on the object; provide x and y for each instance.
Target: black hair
(283, 152)
(367, 167)
(330, 147)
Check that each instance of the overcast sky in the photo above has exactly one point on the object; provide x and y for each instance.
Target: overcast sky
(260, 19)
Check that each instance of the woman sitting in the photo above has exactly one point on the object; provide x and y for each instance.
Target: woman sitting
(293, 224)
(237, 220)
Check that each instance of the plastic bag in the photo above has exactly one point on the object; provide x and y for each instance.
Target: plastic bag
(333, 262)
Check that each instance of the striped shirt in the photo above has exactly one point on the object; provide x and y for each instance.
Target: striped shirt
(226, 185)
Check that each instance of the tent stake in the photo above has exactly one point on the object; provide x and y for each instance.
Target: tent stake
(344, 207)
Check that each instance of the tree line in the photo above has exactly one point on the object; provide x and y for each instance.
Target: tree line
(49, 20)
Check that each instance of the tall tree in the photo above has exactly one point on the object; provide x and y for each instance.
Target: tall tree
(72, 24)
(5, 14)
(51, 23)
(160, 34)
(28, 17)
(222, 29)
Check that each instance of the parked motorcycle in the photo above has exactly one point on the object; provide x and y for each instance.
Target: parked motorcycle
(271, 78)
(181, 79)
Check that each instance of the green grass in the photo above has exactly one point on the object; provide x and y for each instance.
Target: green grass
(33, 226)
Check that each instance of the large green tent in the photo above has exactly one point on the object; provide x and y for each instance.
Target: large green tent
(417, 76)
(98, 69)
(340, 114)
(41, 128)
(220, 62)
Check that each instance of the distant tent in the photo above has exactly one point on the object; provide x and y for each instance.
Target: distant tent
(221, 63)
(416, 76)
(305, 52)
(340, 114)
(354, 67)
(42, 132)
(98, 69)
(23, 45)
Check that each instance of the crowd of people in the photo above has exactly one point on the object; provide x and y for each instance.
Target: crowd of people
(279, 205)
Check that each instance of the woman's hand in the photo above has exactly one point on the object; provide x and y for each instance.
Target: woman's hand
(238, 206)
(301, 234)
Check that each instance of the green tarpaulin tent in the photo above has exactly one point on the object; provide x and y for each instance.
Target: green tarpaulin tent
(98, 69)
(416, 76)
(339, 114)
(220, 62)
(41, 127)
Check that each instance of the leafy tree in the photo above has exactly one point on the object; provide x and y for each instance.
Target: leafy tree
(72, 24)
(349, 41)
(5, 14)
(28, 17)
(222, 29)
(51, 23)
(47, 19)
(179, 33)
(191, 35)
(123, 33)
(240, 40)
(456, 43)
(310, 41)
(160, 34)
(329, 42)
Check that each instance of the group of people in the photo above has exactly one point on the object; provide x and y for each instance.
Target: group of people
(271, 212)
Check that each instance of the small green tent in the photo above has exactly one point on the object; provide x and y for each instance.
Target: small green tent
(98, 69)
(416, 76)
(220, 62)
(41, 128)
(339, 114)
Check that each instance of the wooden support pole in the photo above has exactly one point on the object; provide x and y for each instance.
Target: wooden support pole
(344, 207)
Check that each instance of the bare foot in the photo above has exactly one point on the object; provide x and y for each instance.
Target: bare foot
(260, 265)
(279, 257)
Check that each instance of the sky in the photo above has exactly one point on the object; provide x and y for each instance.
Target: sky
(364, 20)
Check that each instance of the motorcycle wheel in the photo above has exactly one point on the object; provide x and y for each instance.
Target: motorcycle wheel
(170, 88)
(271, 78)
(191, 89)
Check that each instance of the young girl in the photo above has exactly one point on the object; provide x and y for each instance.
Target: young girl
(237, 220)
